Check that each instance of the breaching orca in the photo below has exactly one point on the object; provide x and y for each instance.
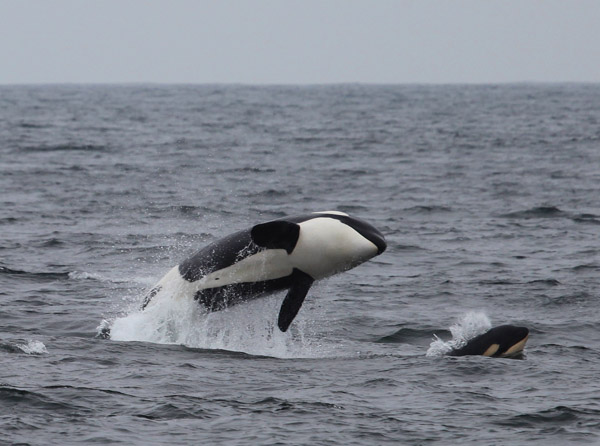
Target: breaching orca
(289, 253)
(502, 341)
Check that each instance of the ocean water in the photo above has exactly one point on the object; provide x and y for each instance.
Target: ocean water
(489, 198)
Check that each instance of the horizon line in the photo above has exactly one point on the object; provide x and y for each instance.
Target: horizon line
(292, 84)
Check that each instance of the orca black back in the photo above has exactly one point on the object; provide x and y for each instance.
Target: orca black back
(503, 340)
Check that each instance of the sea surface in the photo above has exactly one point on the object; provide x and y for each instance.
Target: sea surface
(488, 196)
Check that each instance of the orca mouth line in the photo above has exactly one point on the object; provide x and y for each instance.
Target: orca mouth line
(380, 243)
(364, 229)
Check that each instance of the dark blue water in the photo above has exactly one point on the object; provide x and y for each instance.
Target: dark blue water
(488, 197)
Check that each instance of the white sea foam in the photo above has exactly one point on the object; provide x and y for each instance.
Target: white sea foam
(33, 347)
(470, 325)
(82, 275)
(250, 328)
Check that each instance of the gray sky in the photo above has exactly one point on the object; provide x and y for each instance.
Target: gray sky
(308, 41)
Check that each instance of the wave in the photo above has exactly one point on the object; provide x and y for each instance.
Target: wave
(52, 243)
(33, 275)
(189, 210)
(32, 347)
(43, 276)
(192, 407)
(32, 125)
(536, 212)
(590, 219)
(89, 389)
(549, 282)
(405, 336)
(586, 267)
(82, 275)
(553, 212)
(66, 148)
(555, 416)
(246, 169)
(432, 209)
(407, 248)
(12, 396)
(168, 411)
(575, 299)
(8, 220)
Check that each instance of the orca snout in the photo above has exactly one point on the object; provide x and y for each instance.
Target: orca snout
(369, 232)
(374, 236)
(512, 333)
(520, 333)
(378, 240)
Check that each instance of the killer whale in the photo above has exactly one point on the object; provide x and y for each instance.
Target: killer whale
(289, 253)
(502, 341)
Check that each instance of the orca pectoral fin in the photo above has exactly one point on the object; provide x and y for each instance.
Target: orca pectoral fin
(301, 283)
(276, 235)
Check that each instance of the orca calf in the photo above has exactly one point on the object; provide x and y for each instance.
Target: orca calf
(502, 341)
(289, 253)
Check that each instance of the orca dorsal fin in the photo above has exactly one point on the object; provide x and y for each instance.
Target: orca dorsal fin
(301, 283)
(276, 235)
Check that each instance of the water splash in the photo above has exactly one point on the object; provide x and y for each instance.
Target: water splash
(33, 347)
(249, 328)
(82, 275)
(472, 324)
